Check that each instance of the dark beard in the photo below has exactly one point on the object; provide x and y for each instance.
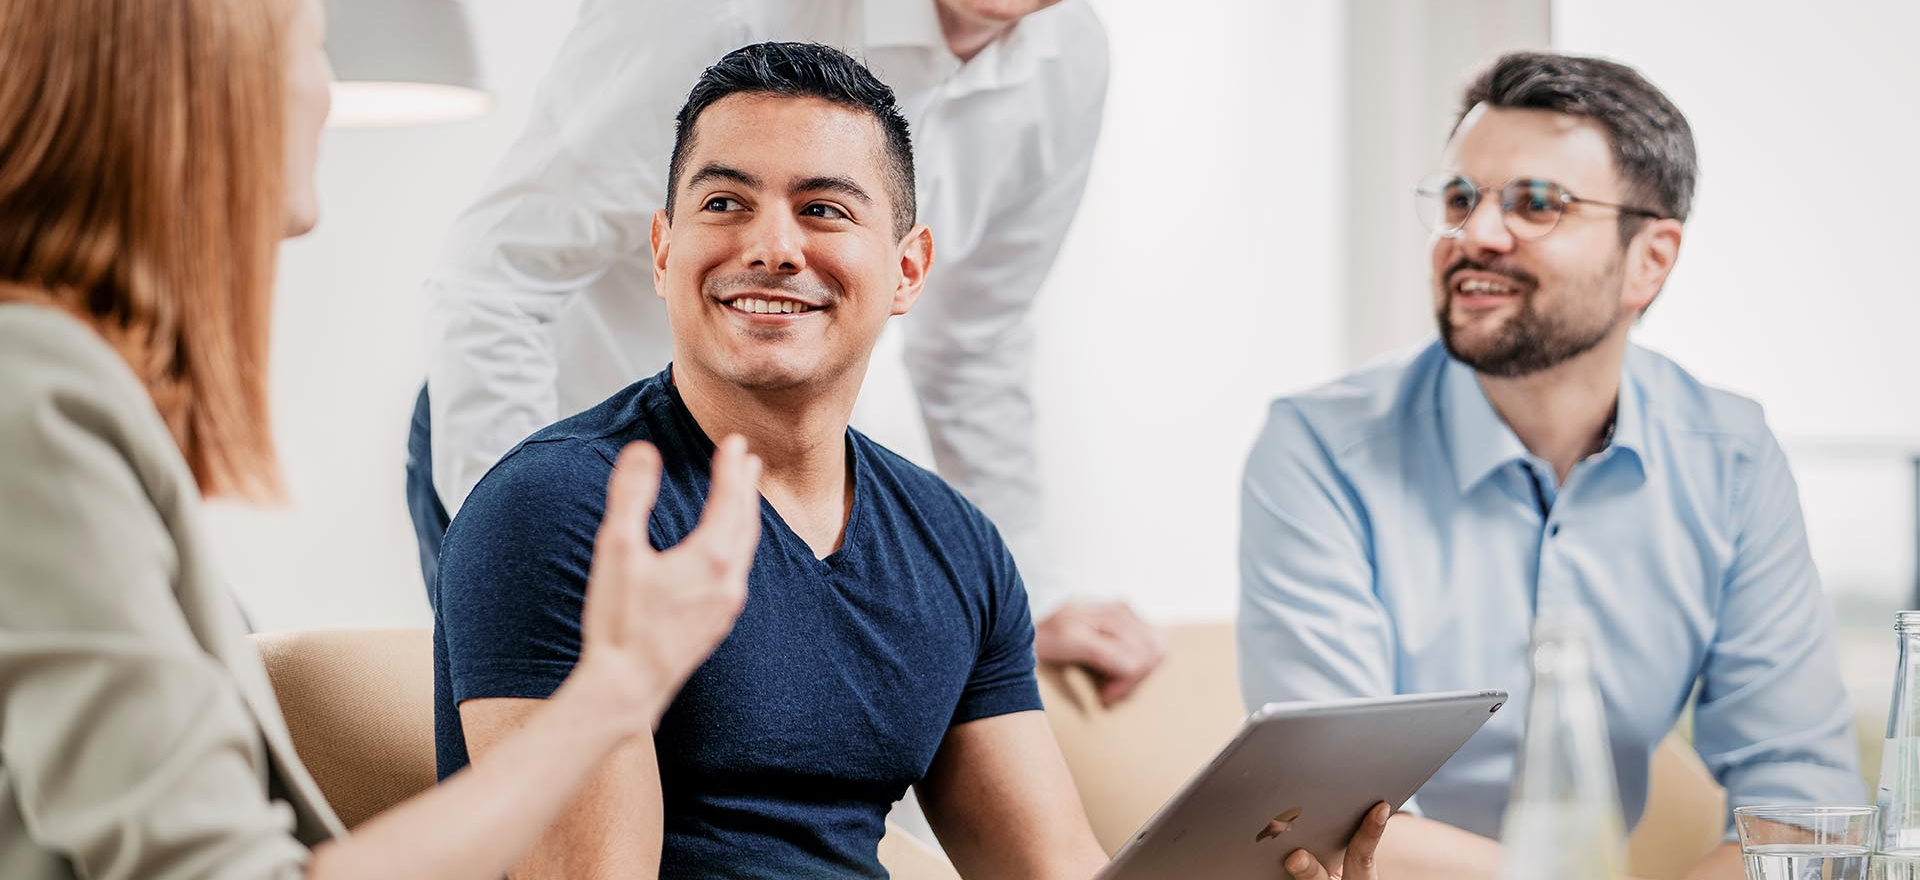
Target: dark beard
(1531, 341)
(1528, 343)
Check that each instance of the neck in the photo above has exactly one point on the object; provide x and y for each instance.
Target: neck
(967, 36)
(1562, 414)
(801, 435)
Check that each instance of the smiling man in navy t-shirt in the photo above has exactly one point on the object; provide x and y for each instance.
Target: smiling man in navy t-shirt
(886, 640)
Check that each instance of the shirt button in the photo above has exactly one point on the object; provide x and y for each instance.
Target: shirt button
(1553, 531)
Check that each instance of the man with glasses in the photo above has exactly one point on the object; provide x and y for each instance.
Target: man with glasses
(1402, 527)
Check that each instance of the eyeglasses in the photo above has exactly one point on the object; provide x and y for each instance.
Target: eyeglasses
(1530, 207)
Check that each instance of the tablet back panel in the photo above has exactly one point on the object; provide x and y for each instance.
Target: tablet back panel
(1318, 767)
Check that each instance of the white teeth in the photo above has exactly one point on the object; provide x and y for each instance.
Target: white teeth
(758, 306)
(1477, 285)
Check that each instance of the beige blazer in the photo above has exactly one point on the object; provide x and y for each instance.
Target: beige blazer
(139, 737)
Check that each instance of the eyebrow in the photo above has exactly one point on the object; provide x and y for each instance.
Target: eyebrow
(712, 172)
(835, 184)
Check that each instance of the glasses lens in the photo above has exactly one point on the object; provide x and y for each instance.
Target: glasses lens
(1532, 207)
(1445, 201)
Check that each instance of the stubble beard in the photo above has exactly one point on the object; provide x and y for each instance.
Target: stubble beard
(1531, 341)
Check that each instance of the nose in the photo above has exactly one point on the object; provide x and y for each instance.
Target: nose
(1485, 230)
(775, 244)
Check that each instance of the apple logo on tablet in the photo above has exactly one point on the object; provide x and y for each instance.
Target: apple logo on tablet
(1281, 824)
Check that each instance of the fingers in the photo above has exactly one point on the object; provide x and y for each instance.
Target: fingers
(1069, 636)
(1114, 668)
(1108, 640)
(1301, 865)
(730, 526)
(1360, 863)
(1138, 650)
(631, 491)
(622, 538)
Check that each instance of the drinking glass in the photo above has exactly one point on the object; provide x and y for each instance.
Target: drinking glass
(1806, 843)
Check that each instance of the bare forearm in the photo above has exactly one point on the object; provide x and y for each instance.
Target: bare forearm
(1003, 804)
(483, 819)
(1724, 863)
(1418, 847)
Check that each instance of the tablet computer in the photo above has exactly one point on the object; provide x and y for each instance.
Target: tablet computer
(1300, 776)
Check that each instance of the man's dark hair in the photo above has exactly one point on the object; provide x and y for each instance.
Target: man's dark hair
(1652, 143)
(803, 70)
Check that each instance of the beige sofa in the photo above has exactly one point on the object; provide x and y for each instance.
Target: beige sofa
(360, 707)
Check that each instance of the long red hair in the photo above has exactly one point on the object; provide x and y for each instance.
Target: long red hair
(141, 189)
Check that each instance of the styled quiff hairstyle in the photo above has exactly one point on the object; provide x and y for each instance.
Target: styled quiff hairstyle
(142, 148)
(1652, 142)
(803, 70)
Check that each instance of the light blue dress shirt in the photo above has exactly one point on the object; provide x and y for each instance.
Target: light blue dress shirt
(1397, 538)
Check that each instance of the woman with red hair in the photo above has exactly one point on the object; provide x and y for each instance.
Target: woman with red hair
(152, 155)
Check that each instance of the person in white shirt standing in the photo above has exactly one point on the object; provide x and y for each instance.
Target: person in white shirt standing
(543, 303)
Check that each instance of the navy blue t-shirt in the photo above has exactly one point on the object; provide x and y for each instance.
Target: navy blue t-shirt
(785, 750)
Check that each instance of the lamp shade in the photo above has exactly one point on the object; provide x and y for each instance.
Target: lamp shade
(402, 62)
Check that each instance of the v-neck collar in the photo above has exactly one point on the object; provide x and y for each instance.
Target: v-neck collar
(849, 534)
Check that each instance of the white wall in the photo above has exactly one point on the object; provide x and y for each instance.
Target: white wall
(1201, 280)
(348, 356)
(1407, 62)
(1796, 280)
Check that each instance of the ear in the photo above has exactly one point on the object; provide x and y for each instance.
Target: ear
(662, 238)
(1650, 259)
(916, 259)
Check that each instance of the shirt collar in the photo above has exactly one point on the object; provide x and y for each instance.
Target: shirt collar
(1630, 416)
(1480, 442)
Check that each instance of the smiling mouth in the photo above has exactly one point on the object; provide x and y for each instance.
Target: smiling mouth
(1484, 287)
(754, 305)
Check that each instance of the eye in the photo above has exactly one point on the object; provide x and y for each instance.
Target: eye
(1538, 199)
(824, 211)
(1457, 200)
(722, 204)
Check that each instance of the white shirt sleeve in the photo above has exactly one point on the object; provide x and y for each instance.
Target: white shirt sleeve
(969, 348)
(574, 197)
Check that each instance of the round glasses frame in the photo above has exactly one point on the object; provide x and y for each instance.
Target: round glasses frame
(1530, 207)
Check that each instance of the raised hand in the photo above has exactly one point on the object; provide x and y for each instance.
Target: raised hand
(653, 617)
(1359, 862)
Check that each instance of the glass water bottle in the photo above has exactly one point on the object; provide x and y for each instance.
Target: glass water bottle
(1563, 817)
(1897, 854)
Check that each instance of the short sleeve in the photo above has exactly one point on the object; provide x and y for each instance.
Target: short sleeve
(513, 571)
(1003, 679)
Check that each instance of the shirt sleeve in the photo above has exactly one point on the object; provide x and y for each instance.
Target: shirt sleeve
(513, 572)
(969, 344)
(129, 750)
(1003, 680)
(1311, 626)
(1774, 723)
(573, 199)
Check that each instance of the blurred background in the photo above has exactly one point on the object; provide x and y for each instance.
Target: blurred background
(1248, 231)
